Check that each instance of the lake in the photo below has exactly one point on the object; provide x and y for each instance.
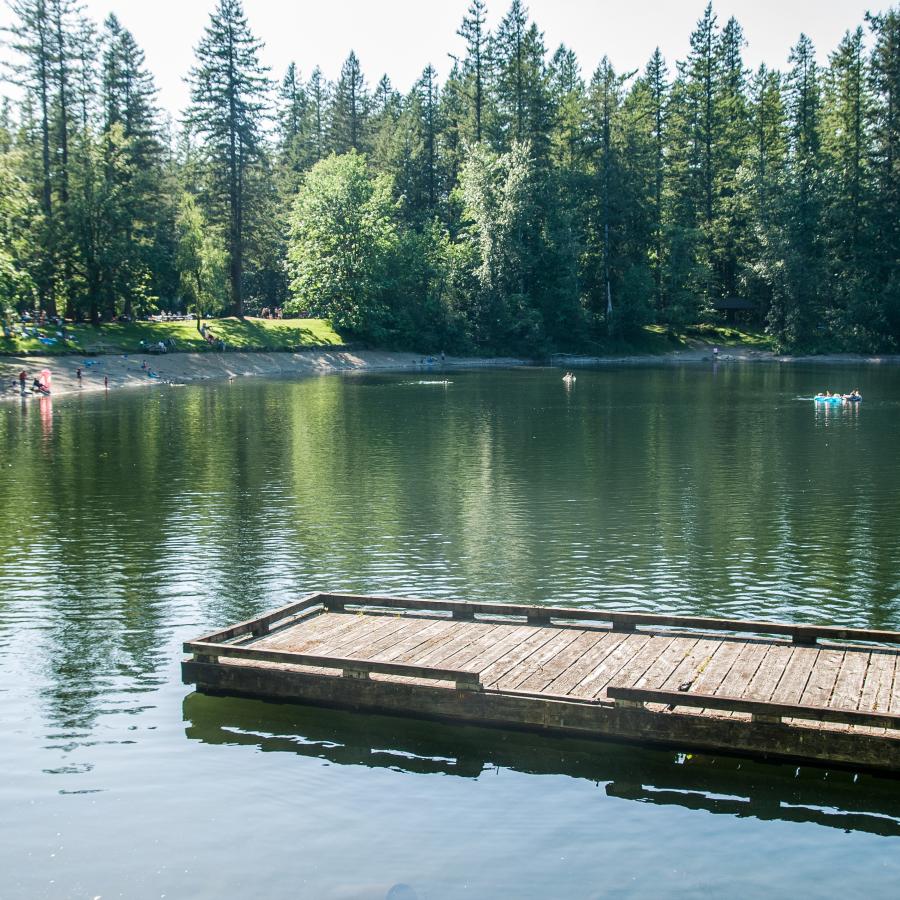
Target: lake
(136, 520)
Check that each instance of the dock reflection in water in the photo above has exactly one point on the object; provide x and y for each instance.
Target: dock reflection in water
(720, 785)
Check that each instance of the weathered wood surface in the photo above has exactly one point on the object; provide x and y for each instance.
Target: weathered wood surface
(831, 702)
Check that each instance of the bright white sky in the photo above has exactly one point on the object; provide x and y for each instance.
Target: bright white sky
(401, 37)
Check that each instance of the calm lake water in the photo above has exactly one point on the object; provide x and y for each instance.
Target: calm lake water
(134, 521)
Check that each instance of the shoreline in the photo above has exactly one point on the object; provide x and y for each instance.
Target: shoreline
(126, 371)
(142, 370)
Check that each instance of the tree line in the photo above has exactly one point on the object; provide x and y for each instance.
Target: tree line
(520, 205)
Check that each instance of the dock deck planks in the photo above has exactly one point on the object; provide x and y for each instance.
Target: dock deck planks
(560, 669)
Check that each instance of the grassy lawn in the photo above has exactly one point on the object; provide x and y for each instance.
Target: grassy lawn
(662, 339)
(251, 334)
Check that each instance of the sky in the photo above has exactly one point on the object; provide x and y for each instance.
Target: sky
(400, 37)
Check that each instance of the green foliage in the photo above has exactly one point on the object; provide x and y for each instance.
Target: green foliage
(201, 259)
(343, 240)
(514, 207)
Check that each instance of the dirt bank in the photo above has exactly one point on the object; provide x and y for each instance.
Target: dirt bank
(136, 370)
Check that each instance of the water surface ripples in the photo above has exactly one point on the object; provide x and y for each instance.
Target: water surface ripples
(135, 521)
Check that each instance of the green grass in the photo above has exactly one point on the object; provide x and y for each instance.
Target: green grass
(659, 339)
(728, 336)
(251, 334)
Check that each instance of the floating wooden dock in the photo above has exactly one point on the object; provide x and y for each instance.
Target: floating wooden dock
(823, 694)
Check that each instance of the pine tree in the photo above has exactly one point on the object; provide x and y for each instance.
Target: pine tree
(731, 132)
(475, 65)
(32, 41)
(847, 214)
(318, 94)
(567, 90)
(350, 109)
(134, 173)
(521, 91)
(296, 144)
(885, 127)
(229, 90)
(646, 162)
(763, 181)
(794, 263)
(700, 78)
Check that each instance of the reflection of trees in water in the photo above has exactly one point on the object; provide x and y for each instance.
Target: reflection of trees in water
(716, 784)
(645, 488)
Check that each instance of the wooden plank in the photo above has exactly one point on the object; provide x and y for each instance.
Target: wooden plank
(796, 674)
(464, 635)
(621, 619)
(410, 643)
(743, 670)
(365, 630)
(483, 651)
(229, 651)
(561, 661)
(850, 679)
(371, 642)
(666, 662)
(849, 683)
(433, 641)
(822, 678)
(608, 669)
(895, 689)
(645, 657)
(876, 690)
(586, 663)
(481, 654)
(539, 638)
(536, 662)
(766, 678)
(787, 711)
(685, 673)
(712, 671)
(314, 633)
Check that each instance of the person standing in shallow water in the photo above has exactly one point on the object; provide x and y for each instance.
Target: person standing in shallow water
(23, 377)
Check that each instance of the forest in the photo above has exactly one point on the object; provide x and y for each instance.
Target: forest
(523, 205)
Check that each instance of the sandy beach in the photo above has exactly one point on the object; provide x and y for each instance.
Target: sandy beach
(140, 370)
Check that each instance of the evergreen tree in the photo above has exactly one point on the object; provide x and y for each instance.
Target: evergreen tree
(885, 128)
(32, 41)
(228, 100)
(731, 133)
(794, 263)
(318, 95)
(134, 170)
(475, 68)
(847, 220)
(763, 179)
(350, 109)
(521, 91)
(700, 79)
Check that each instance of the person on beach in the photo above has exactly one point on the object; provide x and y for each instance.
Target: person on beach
(106, 382)
(78, 374)
(23, 377)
